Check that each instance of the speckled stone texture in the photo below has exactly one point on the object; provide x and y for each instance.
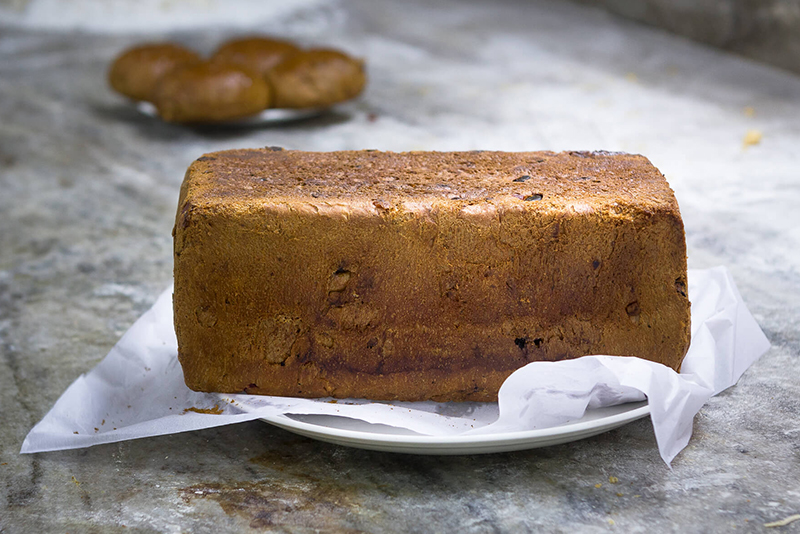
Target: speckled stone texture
(88, 190)
(766, 30)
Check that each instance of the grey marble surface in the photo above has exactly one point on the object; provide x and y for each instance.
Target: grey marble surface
(88, 189)
(766, 30)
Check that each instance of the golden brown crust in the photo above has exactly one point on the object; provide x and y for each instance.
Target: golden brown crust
(315, 79)
(136, 72)
(218, 91)
(257, 54)
(421, 275)
(210, 92)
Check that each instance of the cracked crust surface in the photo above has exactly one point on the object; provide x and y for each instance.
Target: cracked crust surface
(421, 275)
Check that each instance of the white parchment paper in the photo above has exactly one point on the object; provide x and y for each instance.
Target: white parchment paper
(138, 390)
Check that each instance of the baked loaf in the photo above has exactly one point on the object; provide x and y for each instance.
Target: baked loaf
(421, 275)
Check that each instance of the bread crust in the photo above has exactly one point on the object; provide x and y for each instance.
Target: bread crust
(137, 71)
(257, 54)
(422, 275)
(210, 92)
(316, 78)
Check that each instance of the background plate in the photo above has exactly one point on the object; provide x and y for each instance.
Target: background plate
(360, 434)
(268, 116)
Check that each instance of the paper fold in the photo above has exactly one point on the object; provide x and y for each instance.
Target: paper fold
(138, 390)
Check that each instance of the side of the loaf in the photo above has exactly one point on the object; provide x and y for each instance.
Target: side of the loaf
(431, 299)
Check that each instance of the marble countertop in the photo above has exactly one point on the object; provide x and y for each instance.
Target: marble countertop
(88, 189)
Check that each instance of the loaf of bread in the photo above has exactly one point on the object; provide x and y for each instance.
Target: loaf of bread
(421, 275)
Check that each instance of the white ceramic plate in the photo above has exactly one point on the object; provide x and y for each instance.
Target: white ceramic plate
(265, 117)
(363, 435)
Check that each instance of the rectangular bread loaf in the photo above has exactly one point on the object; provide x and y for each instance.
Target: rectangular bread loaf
(421, 275)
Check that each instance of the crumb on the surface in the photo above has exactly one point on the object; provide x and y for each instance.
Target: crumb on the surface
(752, 137)
(783, 522)
(613, 479)
(216, 410)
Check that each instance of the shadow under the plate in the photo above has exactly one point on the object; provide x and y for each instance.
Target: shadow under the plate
(151, 126)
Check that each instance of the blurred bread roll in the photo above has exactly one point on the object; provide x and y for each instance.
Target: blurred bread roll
(259, 54)
(316, 78)
(136, 72)
(210, 92)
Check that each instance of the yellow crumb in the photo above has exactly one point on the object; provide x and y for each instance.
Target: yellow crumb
(749, 111)
(783, 522)
(598, 485)
(75, 481)
(620, 494)
(752, 137)
(613, 479)
(611, 522)
(216, 410)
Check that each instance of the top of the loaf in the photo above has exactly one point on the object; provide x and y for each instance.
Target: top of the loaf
(539, 180)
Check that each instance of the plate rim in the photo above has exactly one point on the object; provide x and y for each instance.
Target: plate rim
(265, 116)
(408, 442)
